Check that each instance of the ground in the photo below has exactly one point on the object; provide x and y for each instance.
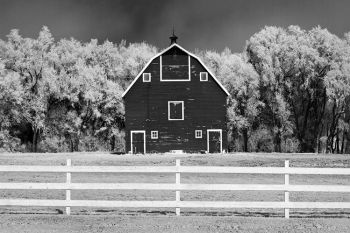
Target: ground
(42, 219)
(161, 224)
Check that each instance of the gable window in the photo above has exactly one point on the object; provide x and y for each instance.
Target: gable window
(203, 76)
(175, 110)
(146, 77)
(198, 133)
(154, 134)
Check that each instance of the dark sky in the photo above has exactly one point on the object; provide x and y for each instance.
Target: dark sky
(199, 24)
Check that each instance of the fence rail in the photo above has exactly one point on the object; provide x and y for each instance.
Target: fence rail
(177, 187)
(180, 169)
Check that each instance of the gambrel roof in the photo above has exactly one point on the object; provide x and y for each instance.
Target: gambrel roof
(190, 54)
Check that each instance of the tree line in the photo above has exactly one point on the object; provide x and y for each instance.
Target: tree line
(290, 91)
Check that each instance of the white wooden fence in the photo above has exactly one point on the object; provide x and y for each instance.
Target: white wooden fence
(177, 187)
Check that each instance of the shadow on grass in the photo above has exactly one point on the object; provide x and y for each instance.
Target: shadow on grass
(264, 214)
(293, 214)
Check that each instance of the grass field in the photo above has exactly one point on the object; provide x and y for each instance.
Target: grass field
(163, 220)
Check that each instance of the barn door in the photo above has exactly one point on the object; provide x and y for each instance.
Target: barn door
(214, 137)
(138, 142)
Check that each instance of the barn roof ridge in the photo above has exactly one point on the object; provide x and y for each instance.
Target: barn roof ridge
(164, 51)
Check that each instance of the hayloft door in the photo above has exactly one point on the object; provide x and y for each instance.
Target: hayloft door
(138, 142)
(214, 138)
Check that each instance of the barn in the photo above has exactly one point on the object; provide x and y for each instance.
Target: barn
(175, 104)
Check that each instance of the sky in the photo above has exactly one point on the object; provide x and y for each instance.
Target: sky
(199, 24)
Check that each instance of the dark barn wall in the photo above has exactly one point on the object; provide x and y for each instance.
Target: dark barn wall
(146, 108)
(174, 65)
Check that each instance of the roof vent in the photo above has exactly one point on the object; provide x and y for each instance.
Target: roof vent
(173, 38)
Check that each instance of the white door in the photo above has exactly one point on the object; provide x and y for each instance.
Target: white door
(214, 140)
(138, 141)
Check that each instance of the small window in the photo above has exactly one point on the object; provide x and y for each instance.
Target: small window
(198, 133)
(203, 76)
(175, 110)
(146, 77)
(154, 134)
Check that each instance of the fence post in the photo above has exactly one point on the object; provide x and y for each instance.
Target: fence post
(68, 181)
(286, 192)
(177, 210)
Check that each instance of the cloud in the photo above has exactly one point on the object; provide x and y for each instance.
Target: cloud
(212, 24)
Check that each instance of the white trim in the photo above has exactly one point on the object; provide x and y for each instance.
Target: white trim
(197, 131)
(206, 76)
(143, 77)
(177, 80)
(214, 130)
(160, 67)
(190, 54)
(189, 67)
(144, 139)
(183, 110)
(156, 132)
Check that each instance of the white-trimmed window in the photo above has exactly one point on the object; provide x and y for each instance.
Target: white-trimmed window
(203, 76)
(175, 110)
(154, 134)
(198, 133)
(146, 77)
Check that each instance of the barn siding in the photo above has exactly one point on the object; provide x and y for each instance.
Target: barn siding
(146, 108)
(175, 65)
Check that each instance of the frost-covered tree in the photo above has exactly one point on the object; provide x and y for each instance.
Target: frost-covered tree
(85, 91)
(11, 112)
(295, 68)
(29, 59)
(265, 52)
